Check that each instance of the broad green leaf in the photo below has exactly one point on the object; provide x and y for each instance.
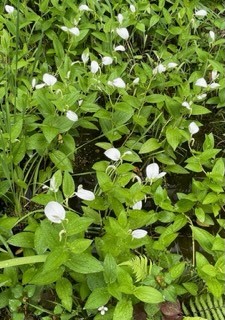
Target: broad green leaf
(22, 239)
(154, 20)
(123, 310)
(210, 198)
(68, 185)
(76, 224)
(155, 98)
(148, 294)
(16, 129)
(79, 245)
(44, 278)
(110, 269)
(60, 160)
(209, 270)
(173, 137)
(191, 287)
(55, 259)
(99, 297)
(177, 270)
(204, 238)
(84, 263)
(215, 286)
(150, 145)
(64, 291)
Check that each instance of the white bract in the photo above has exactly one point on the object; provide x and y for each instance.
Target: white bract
(136, 80)
(123, 33)
(118, 83)
(71, 115)
(201, 13)
(193, 128)
(172, 65)
(55, 212)
(201, 96)
(212, 35)
(9, 9)
(152, 172)
(137, 205)
(49, 80)
(33, 83)
(187, 105)
(201, 82)
(214, 85)
(94, 67)
(214, 75)
(113, 154)
(75, 31)
(85, 56)
(139, 233)
(159, 69)
(120, 18)
(84, 194)
(84, 7)
(132, 8)
(119, 48)
(102, 310)
(107, 61)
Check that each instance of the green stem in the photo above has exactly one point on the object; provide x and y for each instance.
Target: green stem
(23, 260)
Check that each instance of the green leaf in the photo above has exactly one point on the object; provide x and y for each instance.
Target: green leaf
(204, 238)
(215, 286)
(68, 185)
(155, 98)
(209, 270)
(210, 198)
(99, 297)
(76, 224)
(55, 259)
(60, 160)
(22, 239)
(110, 269)
(79, 245)
(84, 263)
(123, 310)
(150, 145)
(177, 270)
(16, 129)
(173, 137)
(64, 291)
(191, 287)
(44, 278)
(148, 294)
(154, 20)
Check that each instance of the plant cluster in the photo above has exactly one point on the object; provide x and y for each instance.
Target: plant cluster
(111, 153)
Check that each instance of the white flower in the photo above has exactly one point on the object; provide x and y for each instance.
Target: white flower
(123, 33)
(201, 96)
(214, 75)
(187, 105)
(84, 7)
(75, 31)
(212, 35)
(132, 8)
(119, 48)
(193, 128)
(55, 212)
(39, 86)
(139, 233)
(33, 83)
(137, 205)
(172, 65)
(85, 56)
(201, 13)
(113, 154)
(64, 28)
(80, 102)
(159, 69)
(103, 310)
(118, 83)
(136, 80)
(214, 85)
(107, 60)
(94, 66)
(71, 115)
(84, 194)
(201, 83)
(120, 18)
(49, 80)
(152, 172)
(9, 9)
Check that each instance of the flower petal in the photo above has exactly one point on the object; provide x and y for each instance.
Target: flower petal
(118, 83)
(201, 83)
(94, 67)
(119, 48)
(152, 171)
(113, 154)
(107, 61)
(193, 128)
(9, 9)
(71, 115)
(75, 31)
(84, 194)
(214, 85)
(123, 33)
(49, 80)
(139, 233)
(137, 205)
(201, 13)
(55, 212)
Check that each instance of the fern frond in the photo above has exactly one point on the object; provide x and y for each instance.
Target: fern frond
(140, 267)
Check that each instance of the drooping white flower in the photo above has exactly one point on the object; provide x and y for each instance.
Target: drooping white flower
(212, 35)
(84, 194)
(55, 212)
(123, 33)
(137, 205)
(118, 83)
(71, 115)
(33, 83)
(64, 28)
(85, 56)
(119, 48)
(94, 66)
(49, 80)
(193, 128)
(132, 8)
(214, 85)
(136, 80)
(107, 60)
(187, 105)
(120, 18)
(172, 65)
(102, 310)
(75, 31)
(9, 9)
(113, 154)
(214, 75)
(159, 69)
(39, 86)
(201, 13)
(80, 102)
(84, 7)
(152, 172)
(139, 233)
(201, 96)
(201, 82)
